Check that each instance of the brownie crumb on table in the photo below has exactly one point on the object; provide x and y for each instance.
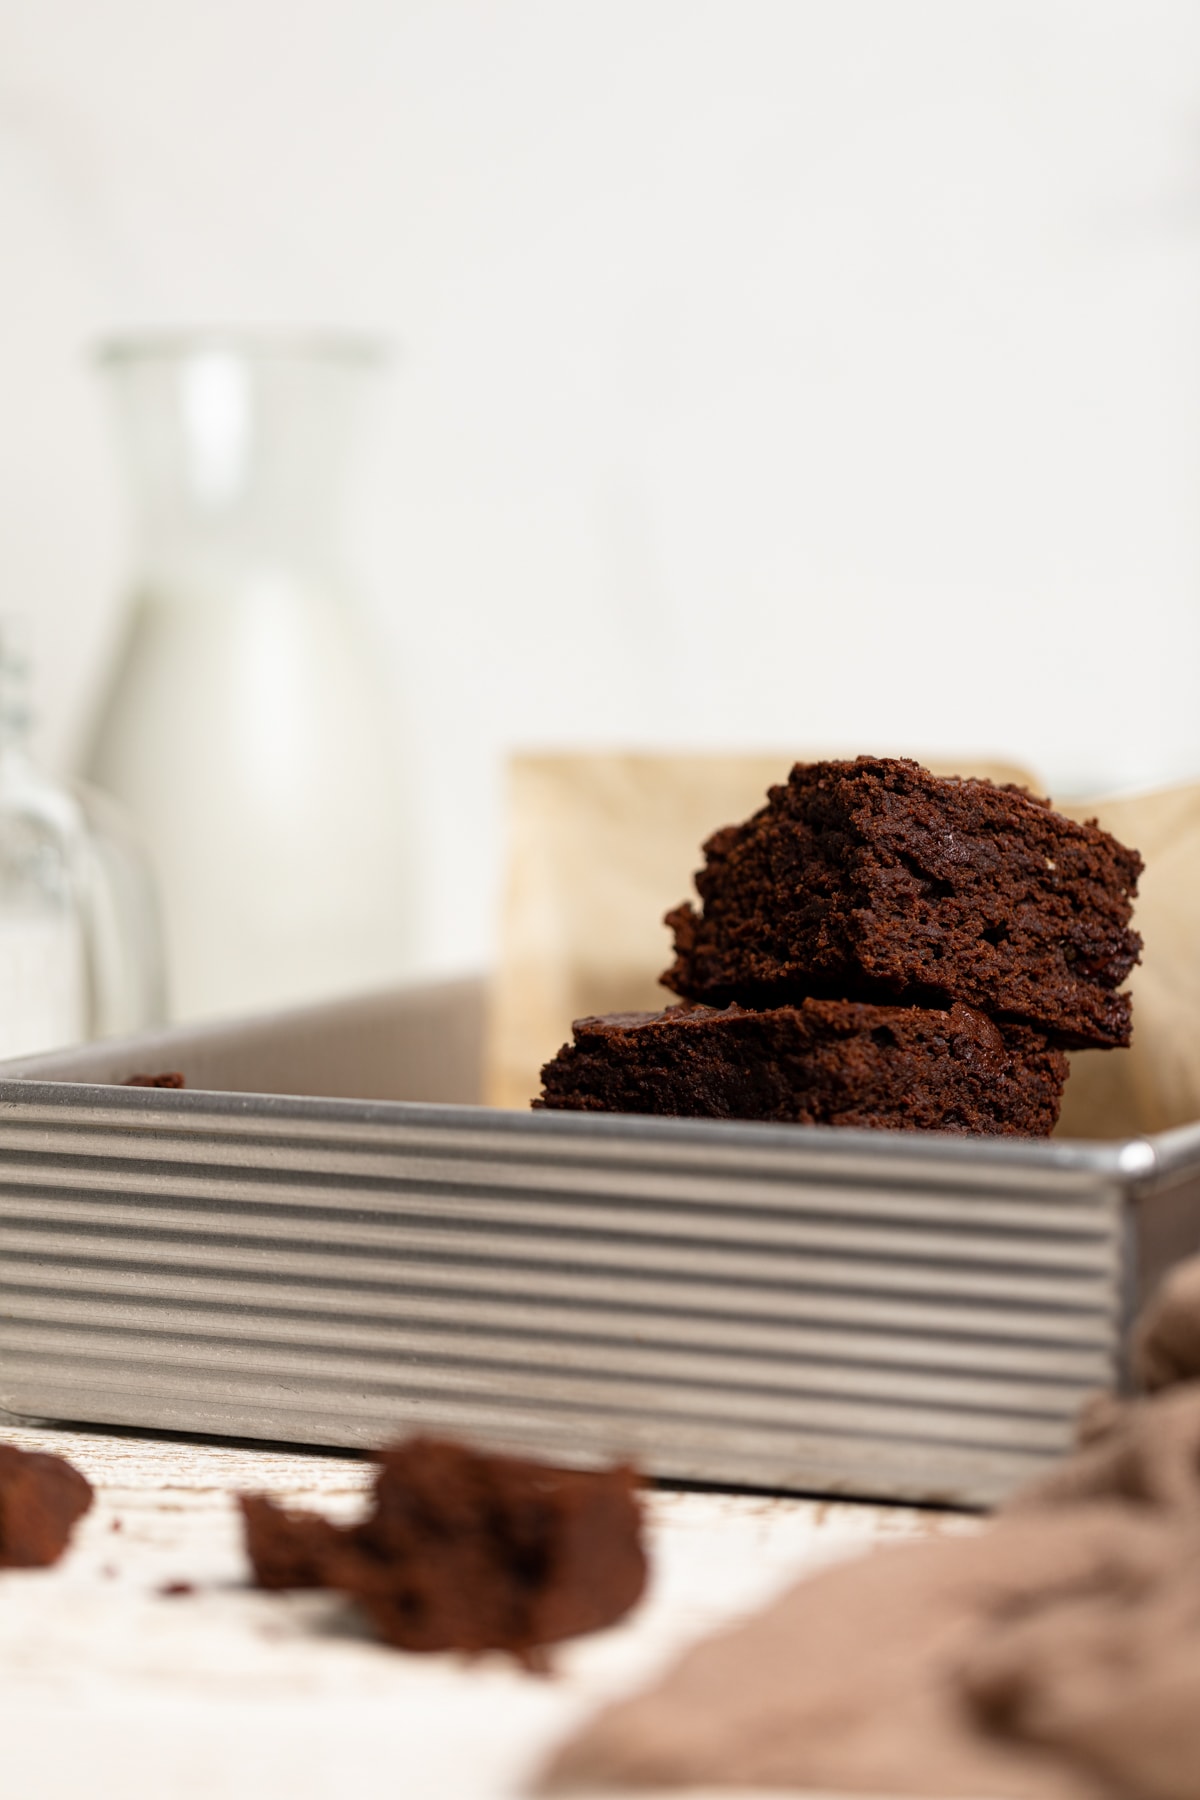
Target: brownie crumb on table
(42, 1497)
(170, 1080)
(822, 1062)
(286, 1549)
(875, 880)
(467, 1551)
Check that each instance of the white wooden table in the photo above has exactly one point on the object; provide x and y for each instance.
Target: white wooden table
(112, 1689)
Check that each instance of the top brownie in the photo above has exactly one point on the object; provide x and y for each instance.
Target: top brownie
(875, 880)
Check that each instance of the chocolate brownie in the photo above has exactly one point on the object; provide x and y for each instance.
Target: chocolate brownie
(41, 1498)
(874, 880)
(465, 1551)
(822, 1062)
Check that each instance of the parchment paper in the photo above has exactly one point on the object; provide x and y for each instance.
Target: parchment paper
(600, 846)
(1155, 1084)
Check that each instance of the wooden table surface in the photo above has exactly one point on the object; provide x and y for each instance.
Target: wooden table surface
(113, 1689)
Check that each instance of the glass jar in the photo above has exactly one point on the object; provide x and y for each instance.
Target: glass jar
(80, 944)
(246, 728)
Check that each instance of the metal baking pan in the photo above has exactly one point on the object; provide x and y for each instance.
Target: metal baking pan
(881, 1314)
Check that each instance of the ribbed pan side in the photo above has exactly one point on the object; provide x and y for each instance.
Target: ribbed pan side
(720, 1310)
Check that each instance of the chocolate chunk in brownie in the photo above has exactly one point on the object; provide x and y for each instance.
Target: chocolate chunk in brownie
(41, 1498)
(822, 1062)
(465, 1551)
(874, 880)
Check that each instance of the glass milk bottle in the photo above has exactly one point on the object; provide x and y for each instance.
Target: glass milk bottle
(245, 728)
(80, 946)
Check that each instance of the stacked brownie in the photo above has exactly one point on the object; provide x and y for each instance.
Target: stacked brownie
(878, 947)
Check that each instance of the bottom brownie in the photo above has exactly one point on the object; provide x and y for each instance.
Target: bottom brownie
(821, 1062)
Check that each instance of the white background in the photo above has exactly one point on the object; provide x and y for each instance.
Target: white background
(770, 372)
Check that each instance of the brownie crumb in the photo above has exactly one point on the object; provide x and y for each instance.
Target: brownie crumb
(466, 1551)
(41, 1498)
(173, 1590)
(172, 1079)
(286, 1549)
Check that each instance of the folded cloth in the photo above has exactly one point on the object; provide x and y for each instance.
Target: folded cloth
(1166, 1341)
(1055, 1655)
(851, 1681)
(1107, 1679)
(1143, 1452)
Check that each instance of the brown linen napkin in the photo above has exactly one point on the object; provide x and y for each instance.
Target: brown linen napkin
(1143, 1452)
(851, 1682)
(1166, 1340)
(1054, 1655)
(1109, 1680)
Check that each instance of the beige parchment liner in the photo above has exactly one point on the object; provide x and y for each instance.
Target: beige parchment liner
(1155, 1084)
(601, 845)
